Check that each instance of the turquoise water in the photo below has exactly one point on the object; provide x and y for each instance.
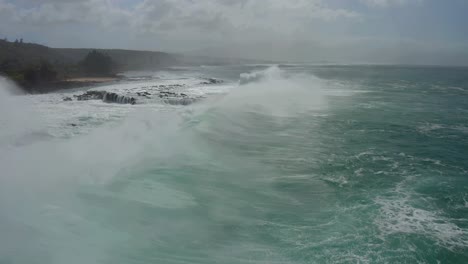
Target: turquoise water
(298, 164)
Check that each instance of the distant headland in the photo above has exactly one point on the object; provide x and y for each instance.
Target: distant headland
(38, 69)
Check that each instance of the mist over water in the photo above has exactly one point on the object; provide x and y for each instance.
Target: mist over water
(293, 164)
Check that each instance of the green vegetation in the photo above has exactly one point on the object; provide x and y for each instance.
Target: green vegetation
(42, 73)
(38, 68)
(98, 64)
(31, 66)
(30, 76)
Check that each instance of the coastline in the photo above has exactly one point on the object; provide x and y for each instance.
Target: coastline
(70, 83)
(91, 79)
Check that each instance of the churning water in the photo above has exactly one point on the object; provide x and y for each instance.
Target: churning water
(289, 164)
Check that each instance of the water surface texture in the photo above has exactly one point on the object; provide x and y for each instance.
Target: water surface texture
(276, 164)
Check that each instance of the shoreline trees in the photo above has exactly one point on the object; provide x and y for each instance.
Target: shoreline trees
(98, 64)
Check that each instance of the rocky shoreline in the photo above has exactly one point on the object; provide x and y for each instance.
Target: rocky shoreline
(71, 83)
(166, 93)
(107, 97)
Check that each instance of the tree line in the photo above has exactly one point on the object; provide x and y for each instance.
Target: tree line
(33, 75)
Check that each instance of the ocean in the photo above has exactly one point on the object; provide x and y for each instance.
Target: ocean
(266, 164)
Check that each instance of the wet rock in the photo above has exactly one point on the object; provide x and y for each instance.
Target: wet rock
(168, 86)
(174, 98)
(212, 81)
(119, 99)
(163, 94)
(91, 95)
(66, 99)
(146, 94)
(106, 97)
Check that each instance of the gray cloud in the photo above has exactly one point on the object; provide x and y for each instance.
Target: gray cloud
(149, 15)
(388, 3)
(297, 30)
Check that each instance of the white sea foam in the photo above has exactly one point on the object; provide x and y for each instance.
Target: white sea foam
(234, 178)
(40, 177)
(400, 215)
(18, 121)
(274, 92)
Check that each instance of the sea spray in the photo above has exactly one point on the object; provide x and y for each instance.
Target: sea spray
(42, 181)
(280, 168)
(54, 181)
(277, 93)
(19, 123)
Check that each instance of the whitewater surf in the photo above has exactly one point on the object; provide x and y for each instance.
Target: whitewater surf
(275, 164)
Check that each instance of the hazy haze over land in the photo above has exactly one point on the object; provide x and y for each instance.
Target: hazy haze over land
(190, 131)
(355, 31)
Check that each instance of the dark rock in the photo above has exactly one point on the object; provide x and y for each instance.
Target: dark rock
(146, 94)
(164, 94)
(91, 95)
(120, 99)
(168, 86)
(174, 98)
(212, 81)
(106, 97)
(67, 99)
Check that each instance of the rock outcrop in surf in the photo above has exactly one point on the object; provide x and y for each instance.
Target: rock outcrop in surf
(174, 98)
(120, 99)
(211, 81)
(106, 97)
(167, 93)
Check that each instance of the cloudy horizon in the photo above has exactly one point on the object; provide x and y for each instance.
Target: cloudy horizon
(354, 31)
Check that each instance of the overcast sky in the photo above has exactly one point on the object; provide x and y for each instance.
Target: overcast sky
(346, 31)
